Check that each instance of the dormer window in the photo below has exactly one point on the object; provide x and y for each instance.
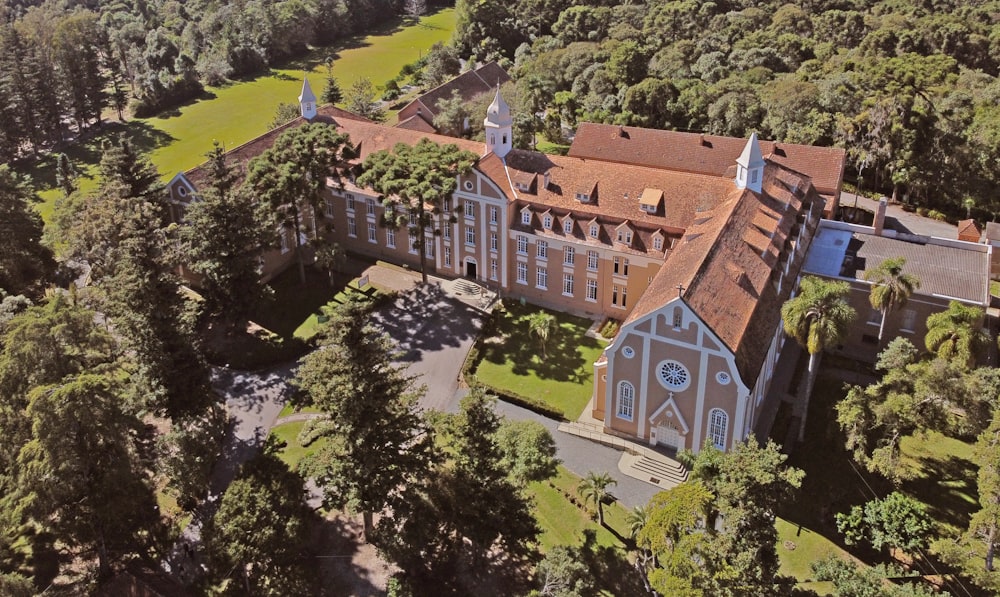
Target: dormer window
(568, 226)
(625, 236)
(582, 197)
(547, 222)
(526, 217)
(593, 230)
(658, 243)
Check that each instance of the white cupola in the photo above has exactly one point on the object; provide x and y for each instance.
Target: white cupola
(750, 166)
(499, 127)
(307, 101)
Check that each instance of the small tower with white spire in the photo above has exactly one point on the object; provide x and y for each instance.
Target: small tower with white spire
(307, 101)
(750, 166)
(499, 127)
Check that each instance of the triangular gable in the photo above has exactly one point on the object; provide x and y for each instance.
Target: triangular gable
(671, 405)
(184, 183)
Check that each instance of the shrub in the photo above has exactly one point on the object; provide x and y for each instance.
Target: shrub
(936, 215)
(313, 430)
(610, 328)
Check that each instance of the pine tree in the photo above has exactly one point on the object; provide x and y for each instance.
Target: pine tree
(25, 264)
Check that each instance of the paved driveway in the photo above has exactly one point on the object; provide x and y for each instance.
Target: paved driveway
(434, 333)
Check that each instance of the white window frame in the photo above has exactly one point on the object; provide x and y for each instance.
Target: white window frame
(350, 201)
(493, 215)
(493, 269)
(470, 209)
(470, 236)
(568, 226)
(547, 222)
(447, 256)
(542, 250)
(526, 217)
(541, 278)
(494, 241)
(567, 284)
(569, 256)
(592, 291)
(352, 227)
(625, 409)
(328, 208)
(522, 272)
(594, 230)
(370, 207)
(593, 259)
(718, 427)
(390, 238)
(522, 244)
(372, 234)
(657, 243)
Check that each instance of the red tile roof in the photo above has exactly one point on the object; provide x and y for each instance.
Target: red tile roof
(468, 85)
(731, 251)
(416, 123)
(703, 154)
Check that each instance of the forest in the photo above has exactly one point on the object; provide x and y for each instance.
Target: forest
(64, 63)
(909, 88)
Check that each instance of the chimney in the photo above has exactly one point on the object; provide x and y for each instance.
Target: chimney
(879, 223)
(545, 180)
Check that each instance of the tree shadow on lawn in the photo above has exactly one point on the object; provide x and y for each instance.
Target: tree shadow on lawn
(949, 488)
(424, 319)
(610, 567)
(565, 349)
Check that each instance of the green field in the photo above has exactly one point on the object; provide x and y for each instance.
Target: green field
(237, 112)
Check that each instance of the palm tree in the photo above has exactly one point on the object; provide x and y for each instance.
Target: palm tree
(891, 288)
(817, 318)
(594, 488)
(956, 333)
(541, 325)
(636, 519)
(331, 257)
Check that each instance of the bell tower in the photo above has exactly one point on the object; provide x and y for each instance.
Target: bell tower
(307, 101)
(499, 127)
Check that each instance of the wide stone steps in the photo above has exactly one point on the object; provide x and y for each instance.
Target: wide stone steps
(661, 470)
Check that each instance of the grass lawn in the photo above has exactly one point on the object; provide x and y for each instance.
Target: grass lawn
(239, 111)
(512, 361)
(310, 326)
(943, 478)
(293, 451)
(994, 288)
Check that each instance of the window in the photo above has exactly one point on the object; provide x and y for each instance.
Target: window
(526, 217)
(678, 319)
(370, 207)
(522, 245)
(753, 176)
(542, 278)
(470, 209)
(390, 238)
(593, 230)
(470, 236)
(909, 320)
(592, 260)
(568, 284)
(447, 231)
(447, 256)
(618, 264)
(658, 243)
(591, 290)
(718, 423)
(626, 400)
(568, 226)
(371, 233)
(522, 273)
(673, 375)
(413, 244)
(285, 246)
(494, 241)
(352, 227)
(619, 293)
(625, 267)
(542, 250)
(447, 205)
(547, 222)
(569, 255)
(413, 218)
(429, 248)
(493, 215)
(350, 202)
(493, 269)
(628, 352)
(328, 208)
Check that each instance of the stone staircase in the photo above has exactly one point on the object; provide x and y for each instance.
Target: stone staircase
(637, 461)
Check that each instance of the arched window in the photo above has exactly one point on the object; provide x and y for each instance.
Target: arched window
(718, 424)
(626, 400)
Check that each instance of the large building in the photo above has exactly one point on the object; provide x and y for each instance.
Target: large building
(694, 260)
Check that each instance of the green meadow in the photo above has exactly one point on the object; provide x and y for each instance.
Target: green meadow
(239, 111)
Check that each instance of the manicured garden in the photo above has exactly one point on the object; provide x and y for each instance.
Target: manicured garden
(239, 111)
(557, 378)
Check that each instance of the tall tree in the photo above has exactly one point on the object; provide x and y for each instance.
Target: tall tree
(594, 488)
(891, 288)
(123, 164)
(676, 533)
(529, 452)
(442, 63)
(817, 318)
(80, 475)
(221, 239)
(378, 441)
(25, 265)
(361, 99)
(258, 540)
(417, 179)
(291, 177)
(956, 334)
(896, 521)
